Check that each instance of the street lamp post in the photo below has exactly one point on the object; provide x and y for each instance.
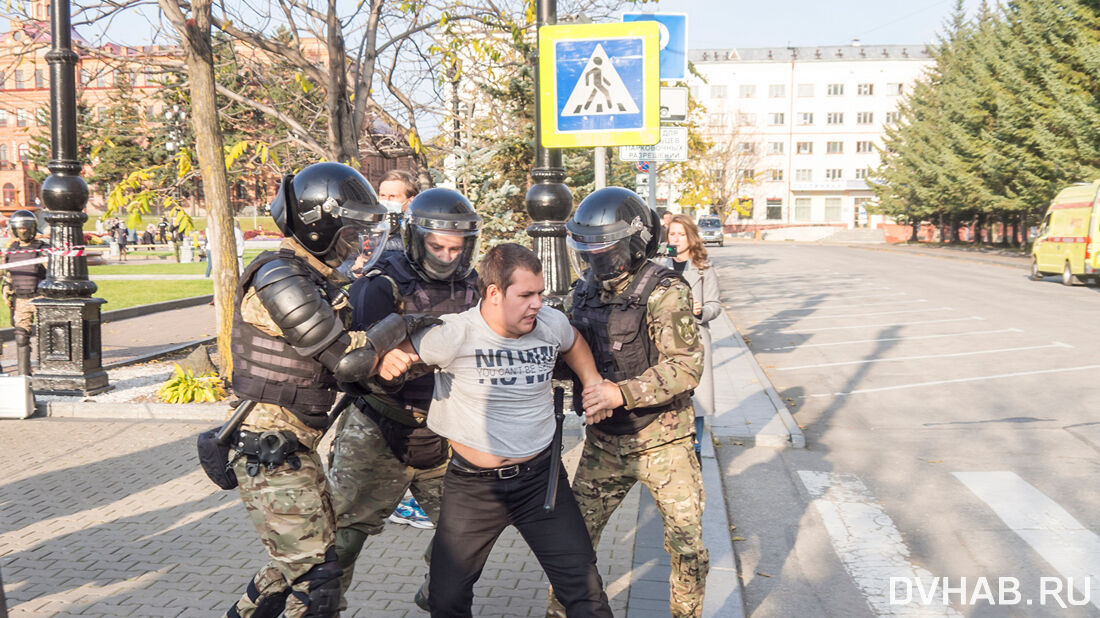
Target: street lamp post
(548, 200)
(69, 345)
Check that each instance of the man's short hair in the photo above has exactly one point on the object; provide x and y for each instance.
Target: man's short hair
(412, 186)
(501, 262)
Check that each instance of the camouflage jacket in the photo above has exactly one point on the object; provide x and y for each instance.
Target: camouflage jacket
(674, 332)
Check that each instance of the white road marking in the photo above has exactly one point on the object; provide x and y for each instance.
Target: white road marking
(754, 300)
(1072, 549)
(1054, 344)
(867, 542)
(966, 334)
(854, 315)
(818, 330)
(998, 376)
(819, 307)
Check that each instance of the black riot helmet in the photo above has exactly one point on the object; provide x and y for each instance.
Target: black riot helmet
(333, 212)
(441, 233)
(23, 225)
(612, 232)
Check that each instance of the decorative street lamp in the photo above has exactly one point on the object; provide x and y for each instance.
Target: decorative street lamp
(549, 201)
(69, 346)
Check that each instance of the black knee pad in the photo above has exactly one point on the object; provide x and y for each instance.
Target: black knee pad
(271, 606)
(350, 542)
(22, 337)
(324, 587)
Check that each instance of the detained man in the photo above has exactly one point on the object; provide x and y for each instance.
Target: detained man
(493, 403)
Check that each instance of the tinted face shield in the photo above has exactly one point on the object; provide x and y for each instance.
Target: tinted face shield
(358, 246)
(446, 255)
(25, 233)
(601, 261)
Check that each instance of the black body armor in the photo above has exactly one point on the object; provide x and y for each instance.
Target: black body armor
(617, 332)
(25, 279)
(268, 369)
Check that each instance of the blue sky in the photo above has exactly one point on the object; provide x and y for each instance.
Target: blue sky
(756, 23)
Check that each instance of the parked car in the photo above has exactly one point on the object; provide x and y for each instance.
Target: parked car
(710, 230)
(1069, 237)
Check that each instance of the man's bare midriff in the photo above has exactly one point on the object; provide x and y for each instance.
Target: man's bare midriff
(482, 459)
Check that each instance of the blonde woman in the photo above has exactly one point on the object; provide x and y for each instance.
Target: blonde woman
(691, 262)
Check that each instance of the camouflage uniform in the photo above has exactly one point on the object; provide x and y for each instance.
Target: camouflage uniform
(660, 455)
(19, 289)
(291, 509)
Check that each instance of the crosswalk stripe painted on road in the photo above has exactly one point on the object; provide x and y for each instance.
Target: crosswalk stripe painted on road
(1054, 344)
(875, 324)
(1054, 534)
(841, 316)
(812, 308)
(880, 339)
(999, 376)
(867, 542)
(801, 300)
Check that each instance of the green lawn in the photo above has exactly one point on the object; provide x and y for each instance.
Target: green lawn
(122, 294)
(264, 222)
(162, 267)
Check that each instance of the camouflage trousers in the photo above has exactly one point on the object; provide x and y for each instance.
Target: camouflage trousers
(22, 317)
(672, 474)
(292, 511)
(367, 483)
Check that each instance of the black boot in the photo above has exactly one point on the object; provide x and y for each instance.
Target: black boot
(23, 354)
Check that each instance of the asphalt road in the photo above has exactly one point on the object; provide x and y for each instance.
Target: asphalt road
(952, 415)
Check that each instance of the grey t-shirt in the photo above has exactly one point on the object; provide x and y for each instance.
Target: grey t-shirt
(492, 393)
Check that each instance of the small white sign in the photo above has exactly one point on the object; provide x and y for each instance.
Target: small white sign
(641, 180)
(674, 104)
(672, 147)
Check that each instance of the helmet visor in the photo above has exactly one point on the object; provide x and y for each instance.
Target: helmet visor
(358, 247)
(446, 255)
(601, 261)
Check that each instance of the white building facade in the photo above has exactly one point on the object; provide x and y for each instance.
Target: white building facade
(812, 120)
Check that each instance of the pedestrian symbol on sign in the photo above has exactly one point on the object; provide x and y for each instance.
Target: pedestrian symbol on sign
(600, 90)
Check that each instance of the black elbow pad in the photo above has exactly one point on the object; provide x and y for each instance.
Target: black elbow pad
(297, 306)
(355, 366)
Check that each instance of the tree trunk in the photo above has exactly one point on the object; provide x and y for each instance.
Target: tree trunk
(979, 222)
(915, 225)
(342, 138)
(953, 232)
(211, 156)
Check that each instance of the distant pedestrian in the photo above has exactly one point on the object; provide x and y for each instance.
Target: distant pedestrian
(208, 252)
(162, 230)
(121, 235)
(238, 239)
(691, 263)
(147, 237)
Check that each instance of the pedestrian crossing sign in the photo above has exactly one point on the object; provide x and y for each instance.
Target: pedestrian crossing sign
(599, 85)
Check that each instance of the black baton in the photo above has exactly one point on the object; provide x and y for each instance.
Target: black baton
(555, 449)
(225, 434)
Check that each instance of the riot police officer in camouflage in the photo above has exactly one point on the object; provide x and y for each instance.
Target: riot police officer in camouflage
(384, 446)
(21, 281)
(637, 317)
(291, 349)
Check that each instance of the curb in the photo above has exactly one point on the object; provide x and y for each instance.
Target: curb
(144, 358)
(982, 259)
(88, 410)
(8, 334)
(724, 597)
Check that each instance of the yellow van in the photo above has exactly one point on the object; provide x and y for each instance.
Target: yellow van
(1069, 238)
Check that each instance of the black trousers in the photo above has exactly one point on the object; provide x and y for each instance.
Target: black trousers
(476, 509)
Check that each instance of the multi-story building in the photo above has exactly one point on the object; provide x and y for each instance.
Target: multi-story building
(803, 125)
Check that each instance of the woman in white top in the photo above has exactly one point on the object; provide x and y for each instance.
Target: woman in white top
(691, 262)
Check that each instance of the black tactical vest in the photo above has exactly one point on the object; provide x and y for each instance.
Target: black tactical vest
(25, 279)
(617, 332)
(268, 369)
(414, 294)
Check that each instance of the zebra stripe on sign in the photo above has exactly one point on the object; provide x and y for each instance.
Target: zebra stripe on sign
(868, 543)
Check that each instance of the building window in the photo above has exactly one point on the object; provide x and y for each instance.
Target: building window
(777, 91)
(746, 120)
(9, 194)
(894, 89)
(3, 117)
(20, 117)
(4, 157)
(776, 118)
(774, 209)
(19, 80)
(694, 92)
(834, 90)
(718, 92)
(3, 78)
(891, 117)
(805, 90)
(803, 175)
(42, 116)
(805, 117)
(101, 113)
(746, 147)
(117, 78)
(802, 209)
(865, 147)
(775, 175)
(21, 150)
(150, 113)
(861, 173)
(85, 77)
(832, 209)
(150, 77)
(717, 120)
(834, 118)
(240, 190)
(101, 80)
(804, 148)
(775, 148)
(859, 204)
(834, 147)
(746, 175)
(865, 89)
(833, 174)
(746, 91)
(865, 117)
(39, 79)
